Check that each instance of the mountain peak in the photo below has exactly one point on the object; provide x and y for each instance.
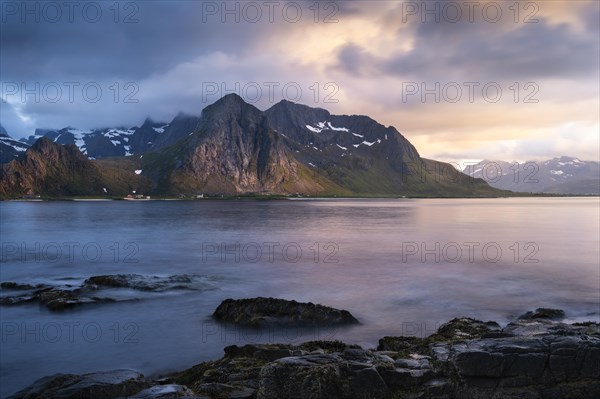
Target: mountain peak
(3, 132)
(149, 121)
(232, 97)
(288, 105)
(230, 105)
(44, 143)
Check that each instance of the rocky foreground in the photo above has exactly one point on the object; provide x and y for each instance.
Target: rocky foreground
(536, 356)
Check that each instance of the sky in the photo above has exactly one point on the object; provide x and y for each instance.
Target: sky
(463, 81)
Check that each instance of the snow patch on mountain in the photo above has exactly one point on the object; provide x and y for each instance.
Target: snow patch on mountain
(339, 129)
(160, 129)
(320, 126)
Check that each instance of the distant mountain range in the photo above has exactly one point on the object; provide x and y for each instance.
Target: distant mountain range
(114, 142)
(561, 175)
(9, 148)
(233, 148)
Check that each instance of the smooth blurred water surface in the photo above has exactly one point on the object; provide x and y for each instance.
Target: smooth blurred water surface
(395, 264)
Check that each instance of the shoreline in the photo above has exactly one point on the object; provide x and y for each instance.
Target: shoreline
(537, 355)
(289, 198)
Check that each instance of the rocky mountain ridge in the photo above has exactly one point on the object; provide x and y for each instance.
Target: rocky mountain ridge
(233, 148)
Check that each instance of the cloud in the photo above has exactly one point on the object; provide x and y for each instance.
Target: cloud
(174, 54)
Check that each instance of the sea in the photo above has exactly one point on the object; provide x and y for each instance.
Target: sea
(400, 266)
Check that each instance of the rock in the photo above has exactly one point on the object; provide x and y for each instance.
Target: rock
(168, 391)
(257, 312)
(16, 300)
(326, 346)
(101, 385)
(538, 327)
(58, 298)
(455, 330)
(412, 363)
(367, 383)
(404, 345)
(150, 283)
(561, 362)
(529, 363)
(11, 285)
(311, 376)
(225, 391)
(466, 328)
(263, 352)
(544, 313)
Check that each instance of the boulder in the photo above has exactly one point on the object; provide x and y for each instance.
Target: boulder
(100, 385)
(543, 313)
(258, 312)
(167, 391)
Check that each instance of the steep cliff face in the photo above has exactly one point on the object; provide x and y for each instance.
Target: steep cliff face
(234, 150)
(364, 156)
(54, 170)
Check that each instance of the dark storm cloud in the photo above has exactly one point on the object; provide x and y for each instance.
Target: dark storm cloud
(144, 37)
(136, 42)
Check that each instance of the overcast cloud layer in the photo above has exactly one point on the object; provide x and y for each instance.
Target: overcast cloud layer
(502, 82)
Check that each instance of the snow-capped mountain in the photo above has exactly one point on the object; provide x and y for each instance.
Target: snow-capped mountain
(10, 148)
(561, 175)
(115, 142)
(234, 148)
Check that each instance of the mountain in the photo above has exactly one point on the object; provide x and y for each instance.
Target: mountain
(561, 175)
(292, 148)
(231, 150)
(234, 148)
(120, 141)
(55, 170)
(10, 148)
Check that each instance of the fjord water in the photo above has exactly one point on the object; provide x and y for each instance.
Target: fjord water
(401, 267)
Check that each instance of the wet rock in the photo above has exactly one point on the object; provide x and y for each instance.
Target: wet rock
(150, 283)
(168, 391)
(311, 376)
(458, 329)
(257, 312)
(58, 298)
(544, 313)
(54, 299)
(534, 364)
(404, 345)
(412, 363)
(16, 300)
(368, 383)
(326, 346)
(538, 327)
(466, 328)
(11, 285)
(225, 391)
(101, 385)
(563, 362)
(264, 352)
